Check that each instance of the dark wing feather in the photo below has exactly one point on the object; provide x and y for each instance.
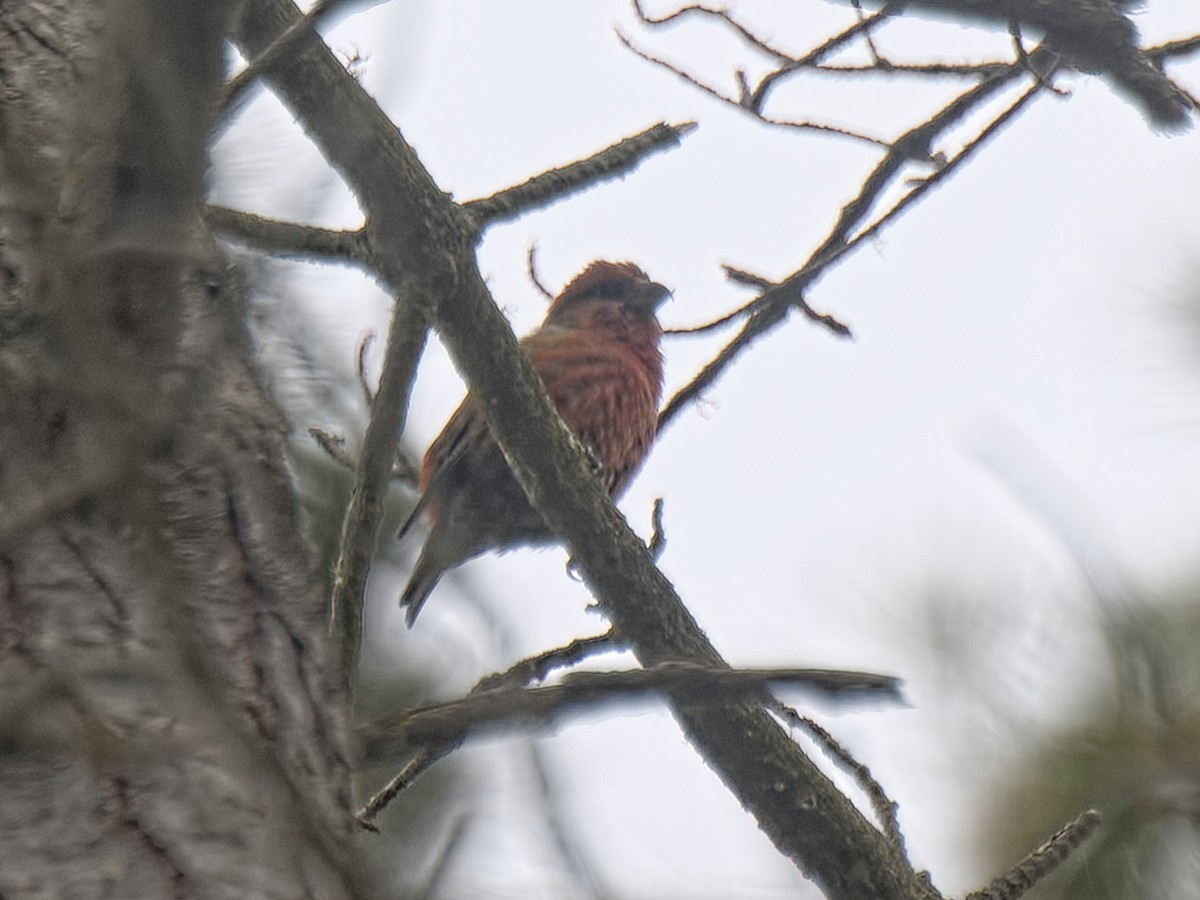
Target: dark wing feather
(463, 429)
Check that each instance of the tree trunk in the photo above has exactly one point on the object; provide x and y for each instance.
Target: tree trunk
(169, 723)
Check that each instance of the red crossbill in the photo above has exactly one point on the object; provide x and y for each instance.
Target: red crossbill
(597, 352)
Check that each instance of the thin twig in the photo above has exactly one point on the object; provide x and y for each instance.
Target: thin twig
(1092, 37)
(715, 324)
(743, 103)
(375, 741)
(884, 807)
(289, 240)
(745, 277)
(658, 534)
(770, 309)
(537, 667)
(334, 446)
(1041, 862)
(699, 10)
(933, 70)
(1172, 49)
(924, 185)
(363, 383)
(753, 100)
(412, 770)
(868, 40)
(549, 187)
(836, 327)
(360, 528)
(863, 26)
(531, 264)
(674, 69)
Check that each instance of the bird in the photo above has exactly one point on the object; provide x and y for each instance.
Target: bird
(598, 354)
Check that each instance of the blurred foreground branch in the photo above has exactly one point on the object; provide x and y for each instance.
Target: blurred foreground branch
(537, 707)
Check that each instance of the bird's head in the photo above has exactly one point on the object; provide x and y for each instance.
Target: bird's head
(608, 292)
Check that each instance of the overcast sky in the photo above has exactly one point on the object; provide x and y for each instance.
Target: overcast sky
(1025, 354)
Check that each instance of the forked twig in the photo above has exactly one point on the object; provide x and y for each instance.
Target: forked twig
(771, 308)
(376, 742)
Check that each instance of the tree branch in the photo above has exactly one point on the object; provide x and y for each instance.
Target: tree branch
(378, 745)
(1041, 862)
(428, 240)
(772, 308)
(1091, 35)
(513, 705)
(360, 527)
(288, 239)
(549, 187)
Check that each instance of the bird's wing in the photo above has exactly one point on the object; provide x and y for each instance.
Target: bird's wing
(463, 429)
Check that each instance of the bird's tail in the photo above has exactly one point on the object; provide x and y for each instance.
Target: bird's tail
(424, 579)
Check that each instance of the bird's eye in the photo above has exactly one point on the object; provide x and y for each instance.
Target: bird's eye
(609, 287)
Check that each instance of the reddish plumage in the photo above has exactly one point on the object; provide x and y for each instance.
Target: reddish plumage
(598, 354)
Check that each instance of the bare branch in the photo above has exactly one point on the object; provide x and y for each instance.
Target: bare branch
(364, 384)
(513, 705)
(360, 529)
(743, 102)
(675, 70)
(701, 11)
(836, 327)
(536, 668)
(377, 743)
(863, 26)
(715, 324)
(753, 100)
(1041, 862)
(772, 308)
(1174, 49)
(868, 40)
(764, 316)
(430, 255)
(934, 70)
(288, 239)
(882, 805)
(745, 277)
(616, 161)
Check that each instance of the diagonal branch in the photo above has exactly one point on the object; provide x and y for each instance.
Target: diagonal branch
(430, 241)
(1041, 862)
(613, 162)
(772, 308)
(239, 85)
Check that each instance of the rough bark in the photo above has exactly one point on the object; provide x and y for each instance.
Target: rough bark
(169, 725)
